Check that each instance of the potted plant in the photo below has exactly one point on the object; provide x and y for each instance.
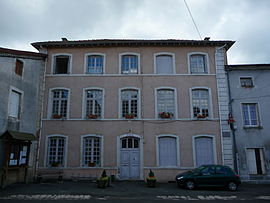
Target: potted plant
(92, 116)
(103, 180)
(200, 116)
(91, 164)
(55, 164)
(129, 116)
(151, 179)
(57, 116)
(165, 114)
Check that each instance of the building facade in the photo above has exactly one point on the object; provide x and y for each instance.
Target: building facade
(21, 79)
(249, 103)
(128, 106)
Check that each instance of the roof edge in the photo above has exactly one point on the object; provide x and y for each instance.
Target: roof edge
(15, 52)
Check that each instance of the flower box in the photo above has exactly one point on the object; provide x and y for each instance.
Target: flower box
(57, 116)
(92, 116)
(201, 116)
(55, 164)
(91, 164)
(129, 116)
(165, 115)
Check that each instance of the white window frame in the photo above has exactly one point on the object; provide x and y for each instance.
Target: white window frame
(259, 120)
(194, 147)
(120, 63)
(50, 105)
(11, 89)
(207, 68)
(46, 161)
(251, 77)
(86, 63)
(177, 150)
(120, 101)
(162, 54)
(175, 101)
(84, 101)
(210, 110)
(101, 150)
(69, 71)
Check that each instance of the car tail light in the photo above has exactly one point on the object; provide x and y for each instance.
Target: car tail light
(237, 176)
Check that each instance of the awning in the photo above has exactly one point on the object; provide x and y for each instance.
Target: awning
(18, 135)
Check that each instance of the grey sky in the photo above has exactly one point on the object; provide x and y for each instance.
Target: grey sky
(245, 21)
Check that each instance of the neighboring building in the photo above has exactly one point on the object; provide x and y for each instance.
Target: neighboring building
(128, 106)
(250, 99)
(21, 79)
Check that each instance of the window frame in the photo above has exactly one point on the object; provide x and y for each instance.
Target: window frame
(84, 101)
(86, 63)
(177, 140)
(210, 109)
(164, 54)
(175, 102)
(259, 121)
(129, 54)
(65, 158)
(101, 140)
(207, 67)
(50, 102)
(120, 101)
(246, 77)
(20, 110)
(69, 69)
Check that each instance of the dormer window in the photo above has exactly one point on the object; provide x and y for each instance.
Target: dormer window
(61, 64)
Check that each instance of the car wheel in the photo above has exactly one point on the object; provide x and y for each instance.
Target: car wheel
(190, 185)
(232, 186)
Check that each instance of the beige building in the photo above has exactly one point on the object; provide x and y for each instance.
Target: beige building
(128, 106)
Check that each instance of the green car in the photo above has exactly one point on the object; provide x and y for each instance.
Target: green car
(209, 175)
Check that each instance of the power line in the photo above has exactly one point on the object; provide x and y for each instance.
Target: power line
(193, 20)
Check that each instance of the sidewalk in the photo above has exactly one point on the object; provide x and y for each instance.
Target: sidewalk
(127, 190)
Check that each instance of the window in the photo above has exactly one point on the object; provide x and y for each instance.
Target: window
(255, 160)
(95, 64)
(246, 82)
(204, 151)
(93, 103)
(15, 104)
(59, 103)
(19, 67)
(164, 64)
(198, 63)
(91, 151)
(129, 143)
(166, 103)
(56, 151)
(200, 103)
(167, 151)
(62, 64)
(129, 64)
(250, 114)
(129, 103)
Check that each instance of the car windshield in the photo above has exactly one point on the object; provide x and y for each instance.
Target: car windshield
(196, 170)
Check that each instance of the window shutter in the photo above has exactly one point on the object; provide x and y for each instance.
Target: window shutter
(14, 106)
(167, 151)
(204, 151)
(164, 64)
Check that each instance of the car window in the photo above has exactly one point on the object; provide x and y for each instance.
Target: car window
(223, 170)
(208, 170)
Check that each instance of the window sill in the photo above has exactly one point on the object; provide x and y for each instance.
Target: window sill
(252, 127)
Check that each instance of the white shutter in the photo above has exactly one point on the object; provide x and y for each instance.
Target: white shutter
(204, 151)
(164, 64)
(251, 161)
(167, 151)
(14, 104)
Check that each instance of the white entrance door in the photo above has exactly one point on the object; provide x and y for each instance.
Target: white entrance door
(204, 151)
(255, 161)
(130, 158)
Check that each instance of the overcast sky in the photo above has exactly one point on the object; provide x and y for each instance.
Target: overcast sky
(245, 21)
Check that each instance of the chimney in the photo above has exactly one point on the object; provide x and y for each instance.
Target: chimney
(207, 38)
(64, 39)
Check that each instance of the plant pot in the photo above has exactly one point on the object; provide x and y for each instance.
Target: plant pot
(165, 115)
(103, 182)
(55, 164)
(92, 164)
(91, 116)
(151, 182)
(129, 116)
(56, 116)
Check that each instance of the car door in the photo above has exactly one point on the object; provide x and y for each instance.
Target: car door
(206, 177)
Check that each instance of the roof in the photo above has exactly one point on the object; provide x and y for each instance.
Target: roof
(247, 67)
(19, 135)
(129, 42)
(14, 52)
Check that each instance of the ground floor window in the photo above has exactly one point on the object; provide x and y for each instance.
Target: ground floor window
(167, 151)
(204, 151)
(91, 151)
(56, 151)
(255, 161)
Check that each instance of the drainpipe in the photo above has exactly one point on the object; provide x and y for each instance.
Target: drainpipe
(234, 147)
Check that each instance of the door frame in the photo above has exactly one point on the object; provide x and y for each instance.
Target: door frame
(140, 150)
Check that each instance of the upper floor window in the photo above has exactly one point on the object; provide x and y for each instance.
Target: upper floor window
(129, 64)
(61, 64)
(59, 103)
(164, 63)
(56, 151)
(246, 82)
(250, 114)
(94, 100)
(15, 104)
(91, 151)
(200, 103)
(19, 67)
(129, 103)
(95, 64)
(166, 103)
(198, 63)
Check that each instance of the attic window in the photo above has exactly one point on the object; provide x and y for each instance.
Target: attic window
(246, 82)
(61, 64)
(19, 67)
